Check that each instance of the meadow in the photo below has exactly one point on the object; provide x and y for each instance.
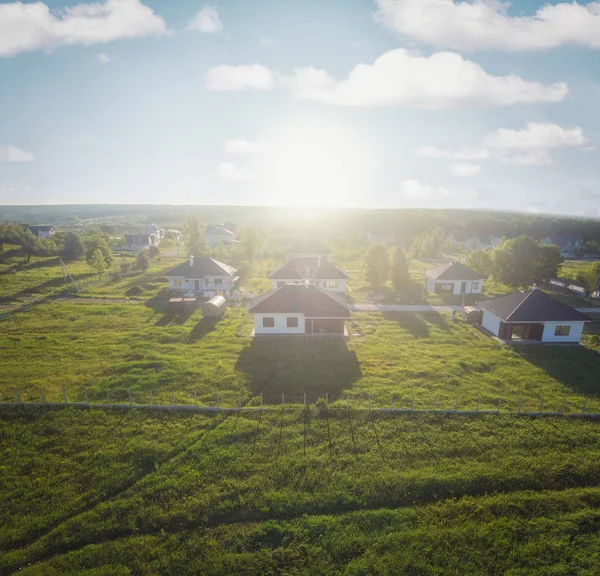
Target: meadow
(296, 492)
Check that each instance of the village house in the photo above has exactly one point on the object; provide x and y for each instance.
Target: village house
(473, 242)
(570, 245)
(294, 309)
(220, 233)
(203, 276)
(453, 278)
(318, 271)
(308, 249)
(532, 315)
(42, 232)
(141, 240)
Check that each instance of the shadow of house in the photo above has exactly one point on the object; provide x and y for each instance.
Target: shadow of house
(293, 365)
(575, 366)
(418, 323)
(204, 327)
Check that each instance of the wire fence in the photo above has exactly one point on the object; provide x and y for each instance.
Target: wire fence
(231, 401)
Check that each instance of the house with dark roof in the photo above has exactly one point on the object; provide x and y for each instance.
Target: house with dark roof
(299, 309)
(202, 276)
(308, 249)
(42, 231)
(317, 271)
(141, 240)
(453, 278)
(532, 315)
(220, 233)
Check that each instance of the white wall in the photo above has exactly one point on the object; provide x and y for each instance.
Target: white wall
(574, 335)
(491, 322)
(457, 285)
(207, 285)
(341, 287)
(280, 324)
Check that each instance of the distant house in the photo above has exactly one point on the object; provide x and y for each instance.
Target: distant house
(453, 278)
(317, 271)
(570, 244)
(42, 232)
(473, 242)
(159, 232)
(294, 309)
(532, 315)
(220, 233)
(308, 249)
(141, 240)
(203, 276)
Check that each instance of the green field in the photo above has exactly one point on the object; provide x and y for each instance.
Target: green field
(294, 492)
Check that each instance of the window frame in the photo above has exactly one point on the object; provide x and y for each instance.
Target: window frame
(560, 330)
(177, 283)
(267, 320)
(294, 320)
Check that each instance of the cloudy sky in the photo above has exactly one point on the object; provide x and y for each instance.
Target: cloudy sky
(371, 103)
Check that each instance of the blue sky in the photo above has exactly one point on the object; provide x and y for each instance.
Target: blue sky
(383, 103)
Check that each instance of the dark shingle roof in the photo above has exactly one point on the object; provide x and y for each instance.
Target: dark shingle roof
(532, 306)
(309, 269)
(37, 228)
(308, 247)
(453, 271)
(311, 301)
(203, 266)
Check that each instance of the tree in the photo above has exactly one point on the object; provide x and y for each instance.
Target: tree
(548, 261)
(142, 262)
(377, 264)
(481, 261)
(194, 238)
(30, 244)
(97, 262)
(437, 241)
(98, 242)
(251, 242)
(73, 247)
(399, 269)
(219, 251)
(154, 252)
(589, 277)
(516, 261)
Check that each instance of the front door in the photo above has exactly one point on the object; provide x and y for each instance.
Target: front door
(197, 285)
(463, 287)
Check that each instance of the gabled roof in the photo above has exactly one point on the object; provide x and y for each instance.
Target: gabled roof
(308, 247)
(311, 301)
(37, 228)
(453, 271)
(309, 269)
(532, 306)
(203, 266)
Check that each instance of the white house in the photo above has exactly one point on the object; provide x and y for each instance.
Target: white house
(317, 271)
(453, 278)
(294, 309)
(308, 249)
(43, 232)
(203, 276)
(141, 240)
(219, 233)
(532, 315)
(474, 242)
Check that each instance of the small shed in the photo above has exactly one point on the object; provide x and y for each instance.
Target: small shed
(175, 304)
(189, 304)
(214, 307)
(472, 314)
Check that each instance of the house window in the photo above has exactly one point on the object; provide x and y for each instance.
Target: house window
(292, 322)
(562, 330)
(268, 322)
(331, 284)
(218, 281)
(475, 286)
(177, 283)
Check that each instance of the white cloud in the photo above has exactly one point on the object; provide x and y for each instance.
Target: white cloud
(32, 26)
(103, 57)
(417, 194)
(14, 154)
(401, 78)
(486, 24)
(415, 190)
(466, 169)
(227, 172)
(530, 146)
(238, 78)
(206, 21)
(244, 147)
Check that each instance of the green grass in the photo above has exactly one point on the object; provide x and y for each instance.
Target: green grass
(293, 493)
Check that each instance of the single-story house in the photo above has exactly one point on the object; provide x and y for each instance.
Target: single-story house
(308, 249)
(203, 276)
(316, 271)
(532, 315)
(141, 240)
(43, 232)
(453, 278)
(569, 244)
(295, 309)
(473, 242)
(220, 233)
(158, 231)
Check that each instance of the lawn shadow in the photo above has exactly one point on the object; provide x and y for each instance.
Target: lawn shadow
(165, 319)
(418, 323)
(204, 327)
(293, 365)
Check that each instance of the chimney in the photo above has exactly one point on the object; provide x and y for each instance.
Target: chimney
(534, 287)
(191, 260)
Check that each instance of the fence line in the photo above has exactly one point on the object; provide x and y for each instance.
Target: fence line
(281, 404)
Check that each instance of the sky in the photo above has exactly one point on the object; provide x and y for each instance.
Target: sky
(364, 103)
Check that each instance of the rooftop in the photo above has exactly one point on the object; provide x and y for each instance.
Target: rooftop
(309, 269)
(308, 247)
(453, 271)
(203, 266)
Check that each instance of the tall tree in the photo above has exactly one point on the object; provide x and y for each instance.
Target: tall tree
(194, 237)
(481, 261)
(548, 261)
(516, 261)
(219, 251)
(399, 269)
(377, 264)
(142, 262)
(97, 262)
(251, 242)
(73, 247)
(30, 244)
(98, 242)
(154, 252)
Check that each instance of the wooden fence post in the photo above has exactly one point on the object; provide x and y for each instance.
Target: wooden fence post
(151, 399)
(326, 399)
(412, 405)
(477, 407)
(129, 395)
(87, 400)
(108, 396)
(239, 400)
(391, 401)
(18, 396)
(584, 406)
(541, 404)
(42, 397)
(520, 405)
(456, 405)
(369, 403)
(499, 405)
(218, 402)
(173, 397)
(261, 401)
(305, 400)
(64, 393)
(434, 404)
(282, 401)
(196, 397)
(562, 408)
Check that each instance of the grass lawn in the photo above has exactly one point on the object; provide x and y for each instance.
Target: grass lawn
(329, 492)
